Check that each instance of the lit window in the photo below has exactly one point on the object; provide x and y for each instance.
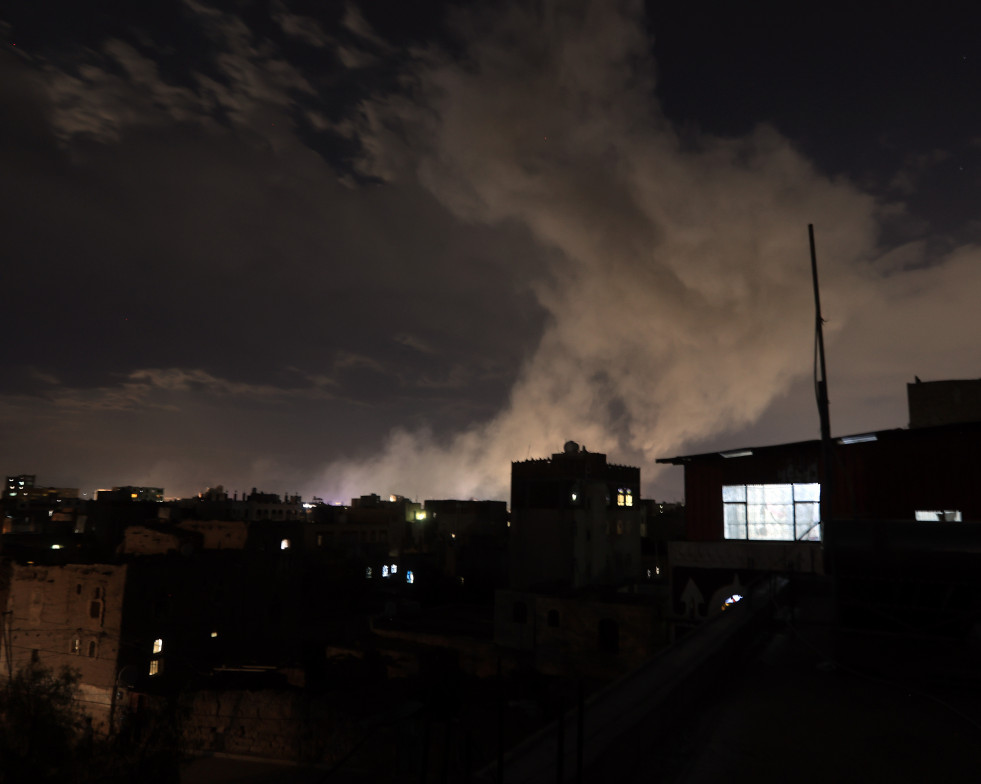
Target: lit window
(385, 570)
(284, 545)
(76, 646)
(214, 634)
(940, 515)
(158, 645)
(779, 512)
(394, 569)
(420, 515)
(154, 666)
(367, 573)
(410, 577)
(625, 497)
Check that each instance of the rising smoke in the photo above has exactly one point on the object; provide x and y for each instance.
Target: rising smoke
(679, 298)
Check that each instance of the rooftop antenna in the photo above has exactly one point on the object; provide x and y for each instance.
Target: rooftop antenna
(821, 387)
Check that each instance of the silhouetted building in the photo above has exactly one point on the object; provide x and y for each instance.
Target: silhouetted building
(469, 540)
(758, 509)
(130, 493)
(943, 402)
(575, 521)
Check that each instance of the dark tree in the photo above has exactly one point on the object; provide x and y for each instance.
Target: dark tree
(41, 728)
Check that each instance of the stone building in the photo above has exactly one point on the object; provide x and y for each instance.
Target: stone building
(68, 615)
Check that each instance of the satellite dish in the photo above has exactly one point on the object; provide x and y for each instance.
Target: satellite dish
(571, 448)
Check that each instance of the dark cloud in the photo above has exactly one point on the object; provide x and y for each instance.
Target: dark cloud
(274, 247)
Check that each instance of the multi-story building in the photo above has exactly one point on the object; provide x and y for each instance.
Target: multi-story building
(575, 521)
(68, 615)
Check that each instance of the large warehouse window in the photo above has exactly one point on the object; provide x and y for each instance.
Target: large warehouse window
(782, 513)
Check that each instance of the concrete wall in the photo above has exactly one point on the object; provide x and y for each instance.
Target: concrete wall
(140, 540)
(266, 723)
(219, 534)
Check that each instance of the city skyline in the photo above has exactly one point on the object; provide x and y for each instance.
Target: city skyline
(356, 248)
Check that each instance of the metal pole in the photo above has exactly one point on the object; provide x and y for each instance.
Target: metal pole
(580, 741)
(560, 743)
(500, 724)
(821, 389)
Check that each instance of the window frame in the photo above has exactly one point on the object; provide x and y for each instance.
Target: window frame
(736, 506)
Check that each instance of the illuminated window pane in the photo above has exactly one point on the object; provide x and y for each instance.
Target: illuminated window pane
(76, 645)
(385, 571)
(754, 494)
(410, 577)
(734, 493)
(807, 520)
(778, 494)
(284, 545)
(948, 515)
(807, 492)
(775, 512)
(158, 645)
(735, 520)
(155, 666)
(394, 569)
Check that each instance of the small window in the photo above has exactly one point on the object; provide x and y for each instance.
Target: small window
(155, 666)
(95, 609)
(553, 618)
(367, 573)
(284, 544)
(91, 649)
(158, 645)
(76, 646)
(78, 589)
(519, 612)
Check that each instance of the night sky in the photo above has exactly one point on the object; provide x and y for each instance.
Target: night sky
(340, 248)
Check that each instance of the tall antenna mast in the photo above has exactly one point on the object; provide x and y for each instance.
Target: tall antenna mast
(821, 387)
